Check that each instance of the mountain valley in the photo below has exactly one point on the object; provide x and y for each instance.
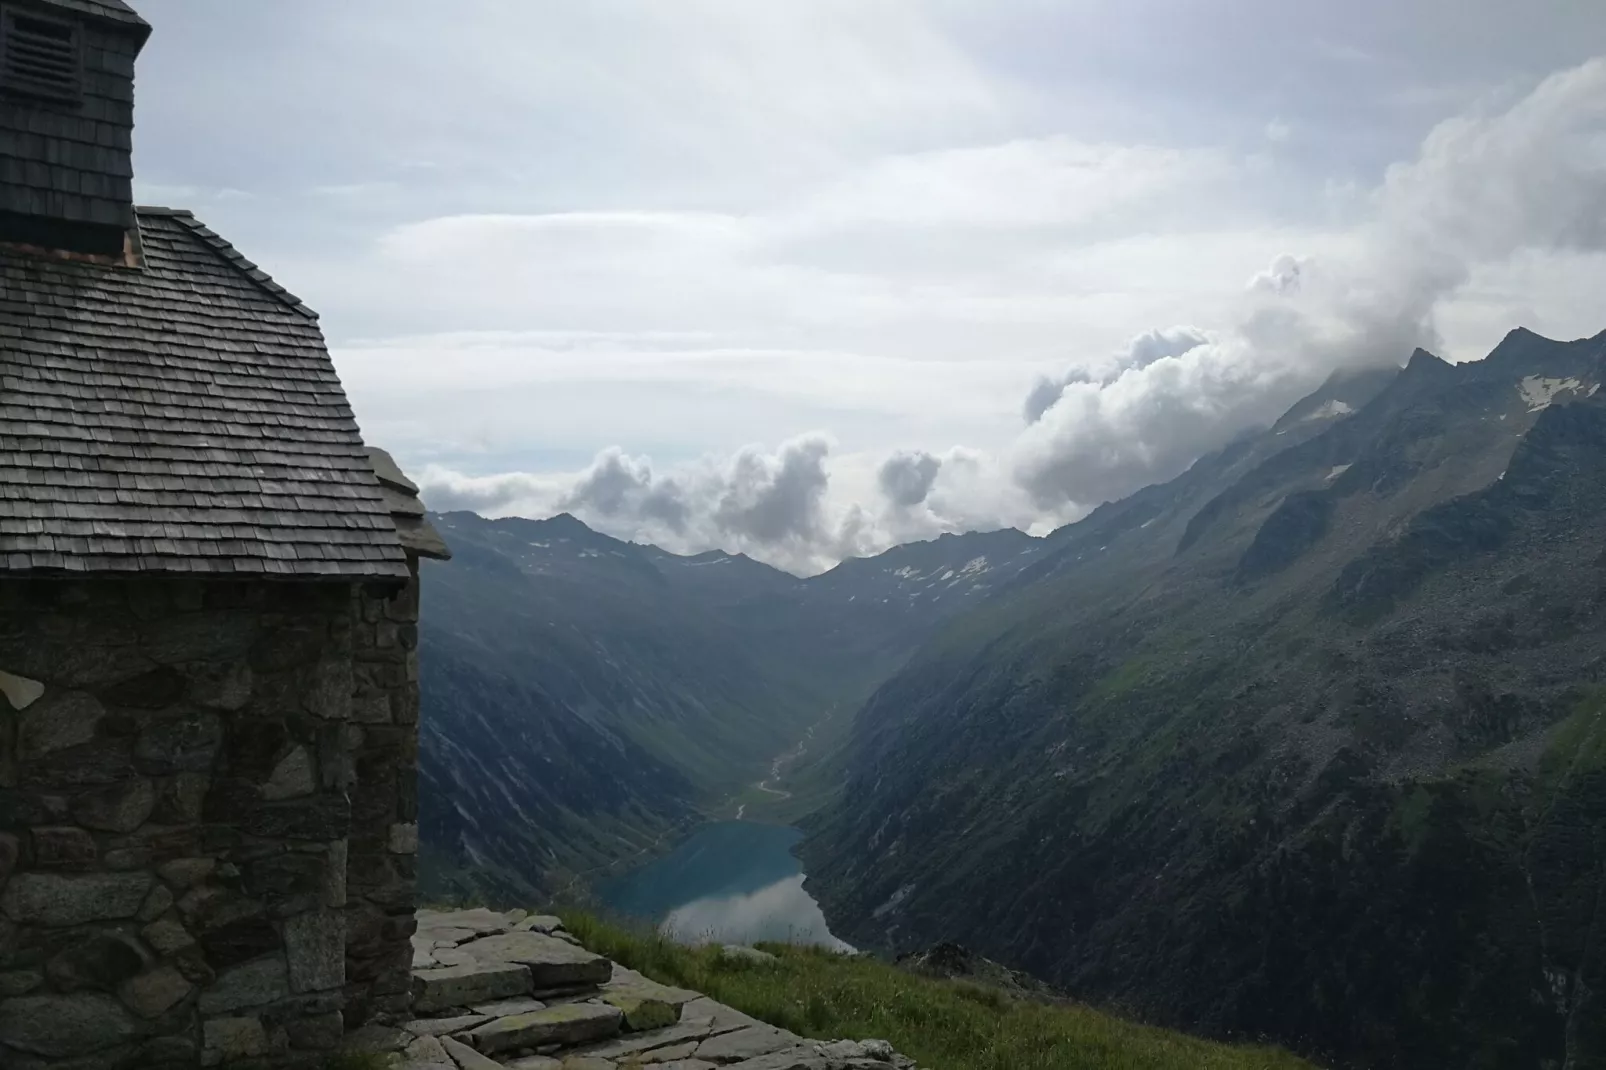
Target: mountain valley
(1304, 743)
(614, 694)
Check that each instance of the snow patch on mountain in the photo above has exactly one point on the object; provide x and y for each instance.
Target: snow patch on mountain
(1330, 409)
(1538, 391)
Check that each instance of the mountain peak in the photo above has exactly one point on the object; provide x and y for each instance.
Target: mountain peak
(1424, 363)
(566, 523)
(1522, 346)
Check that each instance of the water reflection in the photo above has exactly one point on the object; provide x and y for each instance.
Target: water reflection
(732, 882)
(783, 911)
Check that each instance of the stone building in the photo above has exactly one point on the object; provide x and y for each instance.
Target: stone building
(208, 616)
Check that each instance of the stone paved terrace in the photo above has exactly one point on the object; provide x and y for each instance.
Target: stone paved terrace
(493, 990)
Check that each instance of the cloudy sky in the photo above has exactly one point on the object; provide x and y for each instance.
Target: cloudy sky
(805, 278)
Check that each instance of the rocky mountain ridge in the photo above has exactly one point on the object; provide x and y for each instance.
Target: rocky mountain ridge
(1311, 728)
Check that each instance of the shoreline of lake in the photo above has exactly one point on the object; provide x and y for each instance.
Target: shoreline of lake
(728, 882)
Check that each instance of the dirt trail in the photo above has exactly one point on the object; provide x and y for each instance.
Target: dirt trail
(778, 766)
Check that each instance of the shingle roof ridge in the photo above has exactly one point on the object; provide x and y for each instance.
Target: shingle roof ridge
(229, 253)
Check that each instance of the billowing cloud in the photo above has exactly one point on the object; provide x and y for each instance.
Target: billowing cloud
(490, 496)
(1484, 187)
(1282, 277)
(768, 503)
(906, 477)
(775, 499)
(619, 486)
(1139, 353)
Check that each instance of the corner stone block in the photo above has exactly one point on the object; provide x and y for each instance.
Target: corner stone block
(315, 947)
(51, 899)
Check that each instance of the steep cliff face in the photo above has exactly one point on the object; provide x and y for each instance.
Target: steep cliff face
(1304, 743)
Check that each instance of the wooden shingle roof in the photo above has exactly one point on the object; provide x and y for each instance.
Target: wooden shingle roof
(180, 417)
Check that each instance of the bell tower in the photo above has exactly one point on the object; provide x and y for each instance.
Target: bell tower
(67, 125)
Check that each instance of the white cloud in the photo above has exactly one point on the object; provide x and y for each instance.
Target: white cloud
(1524, 181)
(770, 504)
(906, 477)
(1049, 181)
(585, 255)
(1483, 188)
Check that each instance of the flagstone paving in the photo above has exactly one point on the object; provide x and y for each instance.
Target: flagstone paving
(512, 991)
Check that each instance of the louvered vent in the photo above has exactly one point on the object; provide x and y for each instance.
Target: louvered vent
(39, 57)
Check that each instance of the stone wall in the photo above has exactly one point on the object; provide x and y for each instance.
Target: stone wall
(384, 818)
(174, 814)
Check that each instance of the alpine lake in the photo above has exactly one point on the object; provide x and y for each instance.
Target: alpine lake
(729, 882)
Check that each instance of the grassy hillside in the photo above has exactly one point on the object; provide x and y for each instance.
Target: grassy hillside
(943, 1025)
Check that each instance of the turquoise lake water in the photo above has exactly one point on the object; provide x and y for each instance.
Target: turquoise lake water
(730, 882)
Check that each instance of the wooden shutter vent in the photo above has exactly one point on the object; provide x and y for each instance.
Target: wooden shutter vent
(39, 57)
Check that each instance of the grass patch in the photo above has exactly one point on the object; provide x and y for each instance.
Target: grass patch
(1577, 744)
(943, 1025)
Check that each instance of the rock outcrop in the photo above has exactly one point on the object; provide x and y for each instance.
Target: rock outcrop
(511, 990)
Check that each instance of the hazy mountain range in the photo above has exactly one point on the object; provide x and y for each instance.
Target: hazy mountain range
(610, 692)
(1303, 743)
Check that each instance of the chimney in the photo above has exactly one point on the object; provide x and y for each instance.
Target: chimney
(67, 124)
